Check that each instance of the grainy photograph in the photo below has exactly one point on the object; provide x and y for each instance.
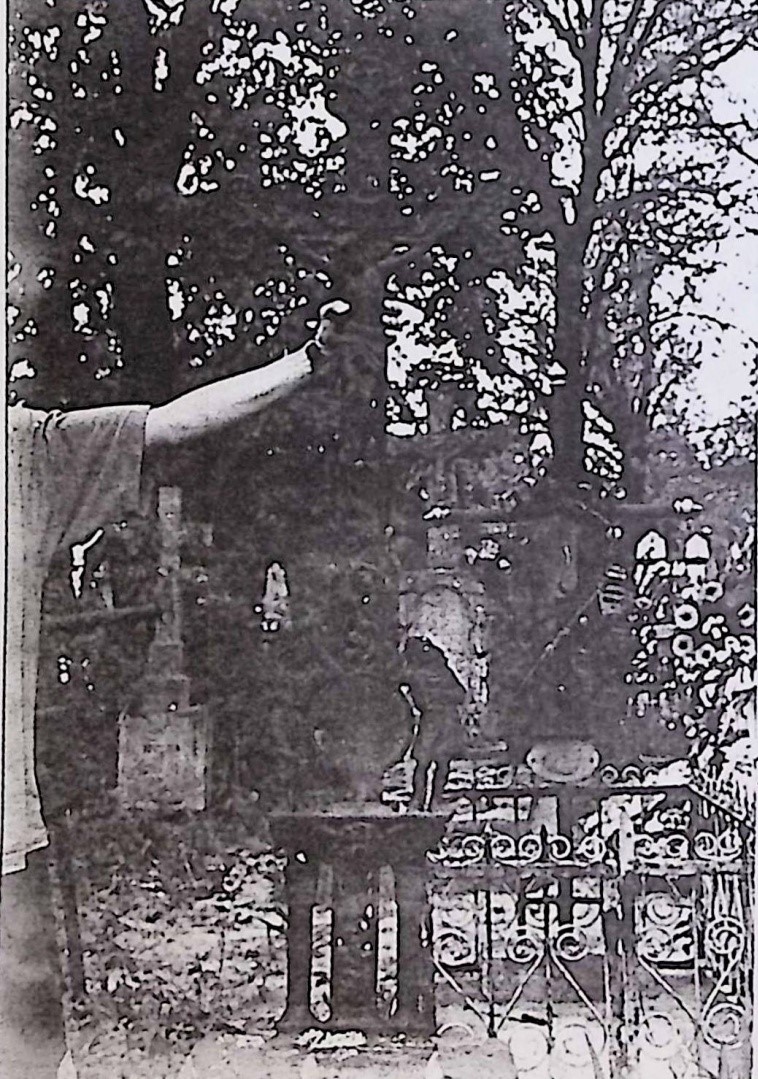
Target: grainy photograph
(380, 606)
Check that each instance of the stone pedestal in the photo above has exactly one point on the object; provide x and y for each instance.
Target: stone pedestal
(358, 844)
(300, 894)
(163, 760)
(415, 984)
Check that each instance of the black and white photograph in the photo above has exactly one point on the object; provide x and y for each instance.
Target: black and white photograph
(379, 682)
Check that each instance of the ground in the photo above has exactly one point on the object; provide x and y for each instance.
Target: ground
(187, 982)
(520, 1054)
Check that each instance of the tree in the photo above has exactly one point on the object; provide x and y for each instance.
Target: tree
(138, 203)
(546, 187)
(629, 183)
(637, 177)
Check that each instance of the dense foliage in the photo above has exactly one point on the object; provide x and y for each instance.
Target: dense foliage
(561, 197)
(549, 190)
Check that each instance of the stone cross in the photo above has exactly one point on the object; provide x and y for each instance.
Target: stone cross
(163, 754)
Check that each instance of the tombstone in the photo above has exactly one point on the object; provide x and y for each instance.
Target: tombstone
(164, 748)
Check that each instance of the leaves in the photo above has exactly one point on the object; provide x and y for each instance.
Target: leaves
(181, 923)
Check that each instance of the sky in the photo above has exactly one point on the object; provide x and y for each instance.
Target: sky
(731, 293)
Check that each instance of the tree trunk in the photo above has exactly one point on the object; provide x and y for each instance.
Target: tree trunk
(157, 136)
(566, 420)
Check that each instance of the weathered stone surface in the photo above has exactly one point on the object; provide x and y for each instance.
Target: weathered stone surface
(164, 749)
(359, 846)
(163, 760)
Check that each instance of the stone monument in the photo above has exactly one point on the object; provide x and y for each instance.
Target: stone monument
(164, 748)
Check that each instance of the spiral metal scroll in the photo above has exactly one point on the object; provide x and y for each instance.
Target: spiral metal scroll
(524, 945)
(454, 947)
(501, 848)
(504, 848)
(459, 851)
(661, 909)
(660, 1036)
(570, 944)
(667, 934)
(656, 945)
(668, 847)
(725, 937)
(591, 849)
(493, 777)
(710, 847)
(727, 1025)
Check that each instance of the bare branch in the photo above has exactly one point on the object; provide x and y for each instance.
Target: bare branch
(732, 143)
(702, 316)
(654, 407)
(565, 34)
(595, 129)
(624, 56)
(673, 71)
(746, 414)
(574, 19)
(627, 35)
(641, 39)
(564, 631)
(633, 199)
(590, 61)
(672, 193)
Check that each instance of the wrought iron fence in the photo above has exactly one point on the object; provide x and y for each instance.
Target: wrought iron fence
(612, 939)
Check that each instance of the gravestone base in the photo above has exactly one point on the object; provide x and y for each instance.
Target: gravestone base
(163, 760)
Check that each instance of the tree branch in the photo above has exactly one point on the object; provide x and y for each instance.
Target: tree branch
(702, 316)
(634, 198)
(640, 40)
(566, 34)
(732, 143)
(615, 96)
(564, 631)
(615, 78)
(590, 62)
(654, 407)
(661, 77)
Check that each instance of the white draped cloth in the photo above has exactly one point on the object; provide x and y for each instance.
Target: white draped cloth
(68, 473)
